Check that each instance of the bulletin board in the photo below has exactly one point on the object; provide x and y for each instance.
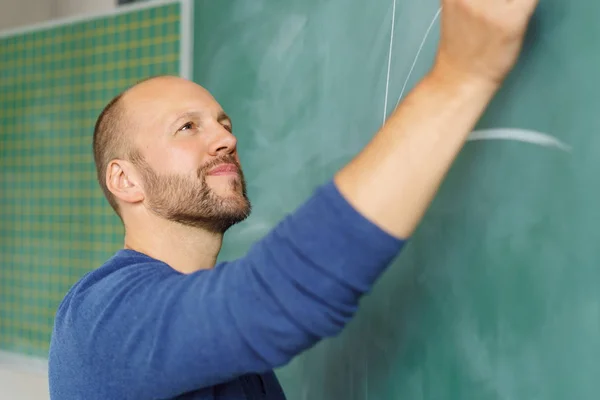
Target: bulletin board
(55, 79)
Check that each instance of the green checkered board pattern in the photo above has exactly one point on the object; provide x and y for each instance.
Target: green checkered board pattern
(55, 224)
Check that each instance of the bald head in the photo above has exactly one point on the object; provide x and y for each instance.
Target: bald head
(159, 101)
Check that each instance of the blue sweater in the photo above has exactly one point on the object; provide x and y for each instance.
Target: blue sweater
(137, 329)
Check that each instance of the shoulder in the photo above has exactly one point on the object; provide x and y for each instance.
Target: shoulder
(93, 317)
(118, 274)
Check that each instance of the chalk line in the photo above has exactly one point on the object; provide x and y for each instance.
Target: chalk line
(515, 134)
(387, 79)
(519, 135)
(435, 17)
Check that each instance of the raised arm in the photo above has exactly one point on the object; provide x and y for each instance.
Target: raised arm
(393, 180)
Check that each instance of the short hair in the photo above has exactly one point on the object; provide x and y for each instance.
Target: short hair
(110, 143)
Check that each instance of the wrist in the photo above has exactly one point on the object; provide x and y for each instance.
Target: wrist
(445, 77)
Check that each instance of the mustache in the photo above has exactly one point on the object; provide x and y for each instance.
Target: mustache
(227, 159)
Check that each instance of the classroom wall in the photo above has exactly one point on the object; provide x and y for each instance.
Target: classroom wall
(74, 7)
(17, 381)
(21, 12)
(17, 13)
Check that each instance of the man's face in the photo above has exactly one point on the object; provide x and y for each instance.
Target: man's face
(186, 155)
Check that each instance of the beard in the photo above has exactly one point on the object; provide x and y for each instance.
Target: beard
(190, 200)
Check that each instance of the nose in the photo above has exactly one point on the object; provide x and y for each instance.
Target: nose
(223, 142)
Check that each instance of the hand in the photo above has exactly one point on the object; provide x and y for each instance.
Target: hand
(481, 39)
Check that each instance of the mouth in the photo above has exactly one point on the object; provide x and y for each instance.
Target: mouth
(224, 169)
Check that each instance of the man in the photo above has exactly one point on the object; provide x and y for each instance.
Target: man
(160, 320)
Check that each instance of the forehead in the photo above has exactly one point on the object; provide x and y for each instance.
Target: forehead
(158, 102)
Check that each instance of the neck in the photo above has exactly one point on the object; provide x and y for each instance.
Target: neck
(184, 248)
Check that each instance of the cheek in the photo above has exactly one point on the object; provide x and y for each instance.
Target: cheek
(183, 158)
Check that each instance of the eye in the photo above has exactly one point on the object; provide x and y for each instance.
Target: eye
(187, 126)
(228, 128)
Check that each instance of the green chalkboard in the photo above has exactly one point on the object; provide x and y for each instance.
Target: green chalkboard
(497, 295)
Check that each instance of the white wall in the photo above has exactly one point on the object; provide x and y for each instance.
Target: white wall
(18, 382)
(20, 12)
(75, 7)
(23, 378)
(15, 13)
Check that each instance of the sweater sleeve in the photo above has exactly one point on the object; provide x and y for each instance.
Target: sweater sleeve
(160, 335)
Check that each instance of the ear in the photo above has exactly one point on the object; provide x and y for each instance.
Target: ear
(123, 181)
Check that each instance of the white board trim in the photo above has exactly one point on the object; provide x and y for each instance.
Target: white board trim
(186, 40)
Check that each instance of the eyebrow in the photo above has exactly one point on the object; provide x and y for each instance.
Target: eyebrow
(222, 117)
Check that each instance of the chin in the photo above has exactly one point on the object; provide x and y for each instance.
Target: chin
(229, 186)
(228, 193)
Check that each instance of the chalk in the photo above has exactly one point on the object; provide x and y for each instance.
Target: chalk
(387, 79)
(435, 17)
